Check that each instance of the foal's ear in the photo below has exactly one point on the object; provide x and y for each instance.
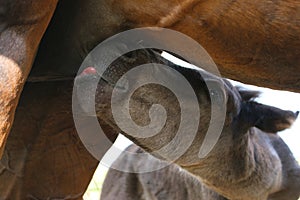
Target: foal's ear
(271, 119)
(248, 95)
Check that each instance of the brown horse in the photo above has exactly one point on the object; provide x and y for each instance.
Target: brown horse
(255, 42)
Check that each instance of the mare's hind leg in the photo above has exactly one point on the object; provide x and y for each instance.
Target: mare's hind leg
(44, 157)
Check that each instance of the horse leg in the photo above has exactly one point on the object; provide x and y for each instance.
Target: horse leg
(44, 157)
(22, 25)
